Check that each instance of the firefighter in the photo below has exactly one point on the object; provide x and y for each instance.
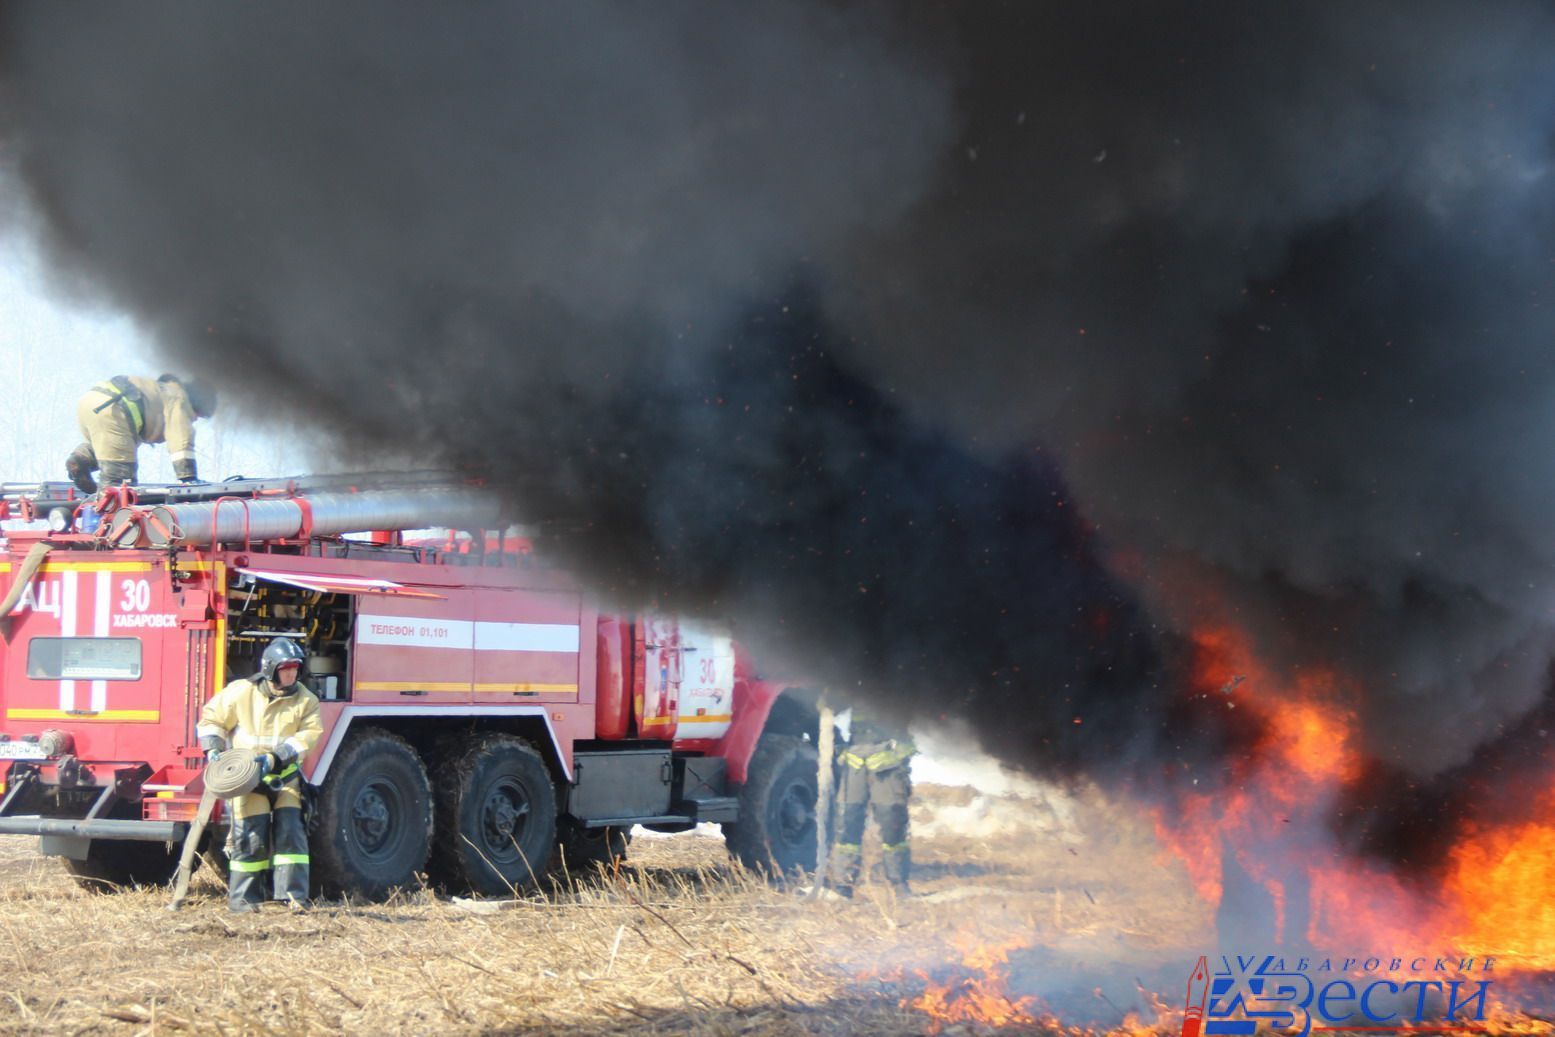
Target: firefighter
(118, 415)
(875, 776)
(275, 715)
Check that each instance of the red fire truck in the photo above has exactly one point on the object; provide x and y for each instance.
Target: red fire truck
(480, 712)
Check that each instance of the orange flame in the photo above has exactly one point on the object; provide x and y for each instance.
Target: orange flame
(982, 999)
(1507, 875)
(1497, 896)
(1306, 754)
(1270, 816)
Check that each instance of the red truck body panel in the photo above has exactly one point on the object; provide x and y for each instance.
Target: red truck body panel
(442, 635)
(435, 644)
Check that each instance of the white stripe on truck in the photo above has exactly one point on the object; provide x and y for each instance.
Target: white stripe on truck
(416, 632)
(67, 628)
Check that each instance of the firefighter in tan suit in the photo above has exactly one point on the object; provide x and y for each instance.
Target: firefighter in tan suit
(277, 716)
(876, 777)
(118, 415)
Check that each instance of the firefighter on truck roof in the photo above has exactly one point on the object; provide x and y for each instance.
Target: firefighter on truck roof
(118, 415)
(275, 715)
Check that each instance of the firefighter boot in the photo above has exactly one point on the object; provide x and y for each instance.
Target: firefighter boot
(891, 789)
(898, 863)
(846, 860)
(249, 873)
(116, 472)
(291, 856)
(80, 465)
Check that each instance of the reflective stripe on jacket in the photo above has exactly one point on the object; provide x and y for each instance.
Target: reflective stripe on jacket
(249, 718)
(879, 756)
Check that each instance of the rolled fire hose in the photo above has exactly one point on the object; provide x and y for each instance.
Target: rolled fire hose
(232, 774)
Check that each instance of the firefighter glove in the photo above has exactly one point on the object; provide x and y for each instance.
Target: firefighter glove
(266, 763)
(185, 470)
(212, 755)
(213, 745)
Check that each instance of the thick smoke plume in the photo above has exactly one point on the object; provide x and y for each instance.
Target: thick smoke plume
(883, 328)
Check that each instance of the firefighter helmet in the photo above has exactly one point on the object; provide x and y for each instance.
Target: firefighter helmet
(200, 393)
(280, 652)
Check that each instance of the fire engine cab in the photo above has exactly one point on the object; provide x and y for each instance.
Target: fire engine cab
(483, 718)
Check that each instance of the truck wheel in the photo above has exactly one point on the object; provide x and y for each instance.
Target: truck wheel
(584, 848)
(776, 829)
(113, 864)
(375, 819)
(496, 810)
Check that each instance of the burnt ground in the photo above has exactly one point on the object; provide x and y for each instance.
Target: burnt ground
(680, 941)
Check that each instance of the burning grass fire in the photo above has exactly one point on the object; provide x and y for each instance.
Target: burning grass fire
(896, 364)
(1504, 881)
(978, 994)
(1262, 854)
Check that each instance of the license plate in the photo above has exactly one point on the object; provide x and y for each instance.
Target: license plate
(20, 751)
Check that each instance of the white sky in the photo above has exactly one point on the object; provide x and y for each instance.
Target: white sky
(54, 349)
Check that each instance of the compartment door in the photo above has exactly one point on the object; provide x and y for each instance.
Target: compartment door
(706, 705)
(528, 645)
(413, 650)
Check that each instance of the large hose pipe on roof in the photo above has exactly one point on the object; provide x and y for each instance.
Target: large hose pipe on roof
(234, 521)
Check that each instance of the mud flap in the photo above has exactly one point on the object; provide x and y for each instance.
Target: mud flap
(73, 846)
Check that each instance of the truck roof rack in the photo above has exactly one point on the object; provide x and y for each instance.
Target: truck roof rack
(44, 497)
(252, 510)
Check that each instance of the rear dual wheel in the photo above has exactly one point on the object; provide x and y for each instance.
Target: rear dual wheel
(375, 819)
(496, 816)
(494, 804)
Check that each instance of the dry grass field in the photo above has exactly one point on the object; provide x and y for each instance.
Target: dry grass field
(679, 941)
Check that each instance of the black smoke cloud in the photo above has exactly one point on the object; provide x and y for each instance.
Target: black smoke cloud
(1275, 281)
(883, 327)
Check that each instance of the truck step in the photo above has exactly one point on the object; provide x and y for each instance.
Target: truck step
(712, 808)
(624, 822)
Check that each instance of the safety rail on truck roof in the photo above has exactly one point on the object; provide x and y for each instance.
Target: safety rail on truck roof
(44, 497)
(245, 511)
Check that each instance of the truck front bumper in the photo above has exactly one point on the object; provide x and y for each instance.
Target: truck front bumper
(96, 828)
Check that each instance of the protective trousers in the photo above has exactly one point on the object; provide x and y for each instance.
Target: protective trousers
(269, 846)
(111, 441)
(886, 792)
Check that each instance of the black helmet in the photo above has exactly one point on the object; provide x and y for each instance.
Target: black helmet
(201, 394)
(278, 653)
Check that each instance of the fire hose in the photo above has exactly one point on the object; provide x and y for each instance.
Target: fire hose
(234, 773)
(24, 575)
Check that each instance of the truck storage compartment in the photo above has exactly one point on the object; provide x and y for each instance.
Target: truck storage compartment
(701, 789)
(630, 783)
(261, 608)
